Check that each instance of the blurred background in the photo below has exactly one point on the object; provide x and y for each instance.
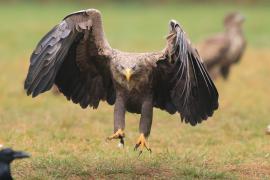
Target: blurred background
(67, 142)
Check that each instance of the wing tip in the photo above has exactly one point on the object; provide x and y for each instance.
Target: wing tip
(84, 11)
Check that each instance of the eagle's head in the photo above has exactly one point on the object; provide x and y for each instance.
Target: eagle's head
(234, 19)
(129, 69)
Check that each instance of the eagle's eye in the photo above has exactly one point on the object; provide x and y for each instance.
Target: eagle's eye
(120, 67)
(134, 68)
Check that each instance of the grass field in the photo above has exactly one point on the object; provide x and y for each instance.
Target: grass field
(67, 142)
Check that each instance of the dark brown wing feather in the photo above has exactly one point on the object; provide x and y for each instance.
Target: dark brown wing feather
(182, 83)
(64, 57)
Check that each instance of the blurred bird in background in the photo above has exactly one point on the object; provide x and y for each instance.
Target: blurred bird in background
(221, 51)
(7, 156)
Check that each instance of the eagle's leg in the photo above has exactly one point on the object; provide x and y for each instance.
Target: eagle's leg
(119, 119)
(145, 124)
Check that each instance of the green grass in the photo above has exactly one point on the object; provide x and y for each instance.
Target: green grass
(132, 28)
(67, 142)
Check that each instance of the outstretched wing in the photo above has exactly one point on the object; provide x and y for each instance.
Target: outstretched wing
(182, 83)
(75, 56)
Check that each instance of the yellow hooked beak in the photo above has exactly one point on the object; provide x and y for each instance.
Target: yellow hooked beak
(127, 73)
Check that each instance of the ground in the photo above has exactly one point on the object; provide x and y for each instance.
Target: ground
(67, 142)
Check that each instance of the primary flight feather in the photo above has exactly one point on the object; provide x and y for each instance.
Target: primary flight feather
(77, 58)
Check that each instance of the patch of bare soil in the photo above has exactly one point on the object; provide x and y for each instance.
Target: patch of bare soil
(250, 171)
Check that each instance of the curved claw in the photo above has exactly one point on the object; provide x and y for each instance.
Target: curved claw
(136, 147)
(142, 143)
(119, 134)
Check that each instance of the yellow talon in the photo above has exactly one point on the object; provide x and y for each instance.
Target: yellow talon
(119, 134)
(142, 143)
